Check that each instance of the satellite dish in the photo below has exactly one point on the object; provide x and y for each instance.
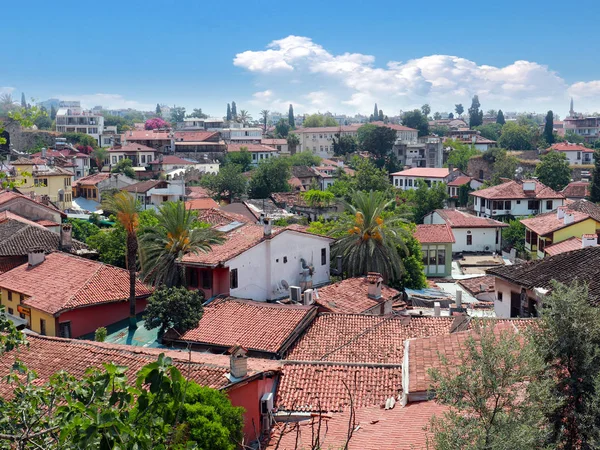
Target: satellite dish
(285, 284)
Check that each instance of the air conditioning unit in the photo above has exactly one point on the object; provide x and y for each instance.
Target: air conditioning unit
(266, 403)
(308, 297)
(295, 294)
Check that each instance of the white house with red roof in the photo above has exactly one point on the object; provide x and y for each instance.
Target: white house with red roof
(463, 180)
(471, 233)
(259, 152)
(517, 199)
(576, 154)
(140, 155)
(409, 179)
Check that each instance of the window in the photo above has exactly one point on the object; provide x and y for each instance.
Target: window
(323, 256)
(578, 155)
(143, 159)
(507, 205)
(469, 239)
(518, 202)
(67, 182)
(114, 159)
(64, 329)
(285, 259)
(441, 257)
(499, 296)
(542, 244)
(192, 276)
(410, 182)
(533, 204)
(206, 279)
(42, 327)
(549, 205)
(233, 279)
(40, 182)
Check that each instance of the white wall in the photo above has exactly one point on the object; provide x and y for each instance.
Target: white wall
(482, 238)
(518, 208)
(502, 308)
(572, 157)
(402, 182)
(263, 266)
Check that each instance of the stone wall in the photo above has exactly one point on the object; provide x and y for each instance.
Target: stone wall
(25, 140)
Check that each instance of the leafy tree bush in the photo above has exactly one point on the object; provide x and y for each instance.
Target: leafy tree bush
(174, 307)
(228, 183)
(460, 154)
(318, 199)
(82, 229)
(415, 119)
(81, 139)
(595, 184)
(305, 158)
(428, 199)
(155, 123)
(344, 145)
(282, 128)
(125, 166)
(513, 236)
(490, 131)
(516, 137)
(243, 159)
(270, 176)
(319, 120)
(412, 260)
(100, 335)
(553, 170)
(376, 140)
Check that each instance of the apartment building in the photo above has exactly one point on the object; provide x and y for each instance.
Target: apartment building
(72, 118)
(240, 135)
(586, 127)
(319, 140)
(197, 124)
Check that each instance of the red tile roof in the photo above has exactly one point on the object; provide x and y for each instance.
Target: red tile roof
(514, 190)
(145, 135)
(194, 136)
(218, 217)
(342, 128)
(434, 234)
(47, 223)
(7, 196)
(567, 147)
(48, 355)
(131, 147)
(573, 243)
(577, 189)
(201, 203)
(459, 181)
(9, 215)
(473, 285)
(92, 179)
(5, 266)
(400, 428)
(360, 338)
(393, 126)
(460, 219)
(144, 186)
(424, 172)
(351, 296)
(172, 159)
(272, 142)
(320, 387)
(88, 283)
(196, 192)
(259, 326)
(543, 224)
(251, 148)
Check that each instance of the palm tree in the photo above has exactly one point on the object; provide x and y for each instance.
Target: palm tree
(7, 102)
(126, 209)
(370, 239)
(265, 116)
(99, 154)
(176, 235)
(244, 117)
(293, 141)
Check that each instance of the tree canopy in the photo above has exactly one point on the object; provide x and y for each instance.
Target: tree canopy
(270, 176)
(175, 307)
(460, 154)
(228, 183)
(376, 140)
(553, 170)
(415, 119)
(516, 137)
(319, 120)
(595, 184)
(475, 114)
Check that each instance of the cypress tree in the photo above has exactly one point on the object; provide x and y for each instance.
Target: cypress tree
(376, 112)
(23, 101)
(291, 119)
(52, 112)
(500, 117)
(549, 128)
(380, 115)
(475, 116)
(228, 111)
(233, 110)
(158, 110)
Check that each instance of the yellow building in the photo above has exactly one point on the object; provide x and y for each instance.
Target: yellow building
(573, 221)
(44, 180)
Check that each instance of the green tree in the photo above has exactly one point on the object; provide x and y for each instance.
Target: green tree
(553, 170)
(126, 210)
(460, 154)
(177, 114)
(369, 178)
(229, 117)
(426, 109)
(344, 145)
(228, 183)
(490, 131)
(243, 159)
(82, 229)
(500, 118)
(439, 130)
(492, 404)
(174, 308)
(291, 118)
(549, 128)
(158, 111)
(380, 117)
(27, 116)
(475, 115)
(459, 109)
(244, 118)
(428, 199)
(162, 247)
(234, 111)
(595, 184)
(197, 112)
(375, 112)
(100, 334)
(125, 166)
(270, 176)
(504, 166)
(282, 128)
(23, 101)
(413, 276)
(305, 158)
(415, 119)
(318, 199)
(437, 116)
(110, 245)
(99, 155)
(293, 141)
(52, 113)
(43, 122)
(264, 114)
(450, 116)
(568, 338)
(376, 140)
(80, 138)
(516, 137)
(319, 120)
(513, 236)
(370, 241)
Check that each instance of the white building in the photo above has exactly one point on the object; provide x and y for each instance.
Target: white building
(139, 154)
(72, 118)
(280, 144)
(195, 123)
(153, 193)
(471, 233)
(320, 140)
(576, 154)
(259, 152)
(242, 135)
(408, 179)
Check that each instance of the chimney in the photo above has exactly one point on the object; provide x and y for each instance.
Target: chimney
(374, 279)
(268, 226)
(459, 299)
(529, 186)
(560, 212)
(238, 361)
(35, 256)
(569, 218)
(43, 152)
(589, 240)
(45, 200)
(437, 310)
(66, 239)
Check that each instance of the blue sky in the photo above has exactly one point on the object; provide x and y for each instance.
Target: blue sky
(325, 55)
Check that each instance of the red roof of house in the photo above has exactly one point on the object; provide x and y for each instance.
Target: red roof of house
(573, 243)
(434, 234)
(577, 189)
(514, 190)
(361, 338)
(342, 128)
(83, 283)
(267, 141)
(201, 203)
(568, 147)
(5, 266)
(424, 172)
(172, 159)
(351, 296)
(393, 126)
(194, 136)
(258, 326)
(474, 285)
(92, 180)
(131, 147)
(196, 192)
(146, 135)
(460, 219)
(8, 215)
(218, 217)
(49, 355)
(7, 196)
(144, 186)
(543, 224)
(259, 148)
(47, 223)
(400, 428)
(459, 181)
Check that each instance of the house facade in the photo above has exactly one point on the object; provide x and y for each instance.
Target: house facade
(576, 154)
(408, 179)
(259, 152)
(92, 186)
(139, 154)
(153, 193)
(436, 244)
(72, 118)
(319, 140)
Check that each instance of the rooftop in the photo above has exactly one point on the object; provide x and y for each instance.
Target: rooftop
(514, 190)
(10, 197)
(317, 130)
(259, 326)
(546, 223)
(460, 219)
(131, 147)
(201, 204)
(573, 243)
(434, 234)
(459, 181)
(88, 283)
(577, 189)
(478, 285)
(172, 159)
(145, 186)
(424, 172)
(93, 179)
(351, 296)
(568, 147)
(218, 217)
(196, 192)
(260, 148)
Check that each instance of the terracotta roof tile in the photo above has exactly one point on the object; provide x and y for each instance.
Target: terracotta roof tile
(400, 428)
(259, 326)
(196, 192)
(18, 236)
(459, 219)
(459, 181)
(271, 142)
(434, 234)
(194, 136)
(233, 147)
(473, 285)
(573, 243)
(587, 207)
(172, 159)
(289, 198)
(92, 180)
(359, 338)
(514, 190)
(47, 223)
(577, 189)
(88, 283)
(320, 387)
(131, 147)
(218, 217)
(351, 296)
(7, 196)
(145, 186)
(543, 224)
(201, 204)
(567, 147)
